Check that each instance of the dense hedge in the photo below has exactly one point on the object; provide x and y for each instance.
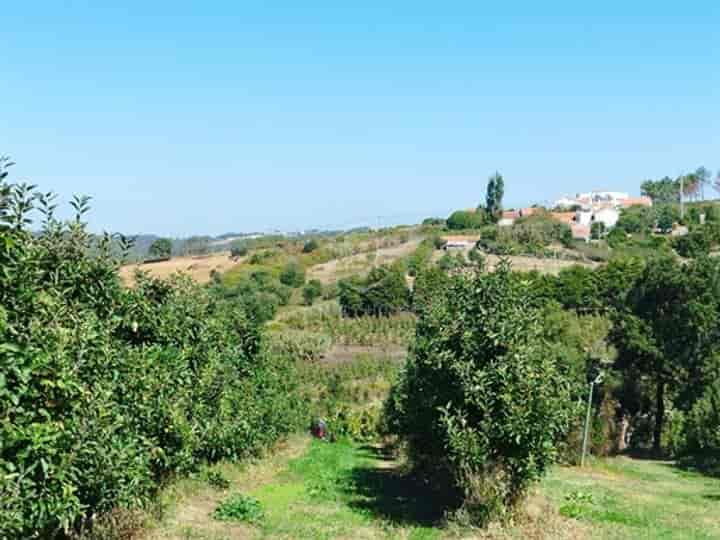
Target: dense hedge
(106, 391)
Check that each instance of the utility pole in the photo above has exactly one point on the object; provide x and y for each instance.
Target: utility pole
(597, 380)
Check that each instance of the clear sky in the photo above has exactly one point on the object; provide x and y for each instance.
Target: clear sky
(205, 117)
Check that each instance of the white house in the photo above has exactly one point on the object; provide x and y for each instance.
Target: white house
(584, 217)
(608, 216)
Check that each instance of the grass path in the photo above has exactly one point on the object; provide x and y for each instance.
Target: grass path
(317, 490)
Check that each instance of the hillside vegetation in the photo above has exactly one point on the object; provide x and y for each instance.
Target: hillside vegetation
(108, 392)
(455, 400)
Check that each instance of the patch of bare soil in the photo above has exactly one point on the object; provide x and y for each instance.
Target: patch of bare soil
(343, 354)
(198, 268)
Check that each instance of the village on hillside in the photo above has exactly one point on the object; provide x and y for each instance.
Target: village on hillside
(581, 211)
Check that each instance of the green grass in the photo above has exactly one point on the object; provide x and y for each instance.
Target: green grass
(637, 499)
(328, 493)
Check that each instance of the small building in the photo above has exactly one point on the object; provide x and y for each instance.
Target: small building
(459, 242)
(608, 216)
(508, 218)
(584, 217)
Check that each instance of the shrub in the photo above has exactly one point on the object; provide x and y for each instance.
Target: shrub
(617, 237)
(702, 431)
(239, 507)
(310, 246)
(694, 244)
(421, 257)
(312, 291)
(292, 275)
(475, 256)
(383, 292)
(105, 392)
(479, 404)
(636, 219)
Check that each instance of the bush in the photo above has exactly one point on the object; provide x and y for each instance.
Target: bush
(617, 237)
(312, 291)
(421, 257)
(479, 404)
(292, 275)
(106, 392)
(383, 292)
(636, 219)
(702, 431)
(310, 246)
(694, 244)
(239, 507)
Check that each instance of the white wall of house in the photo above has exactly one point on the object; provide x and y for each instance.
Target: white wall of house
(607, 216)
(583, 217)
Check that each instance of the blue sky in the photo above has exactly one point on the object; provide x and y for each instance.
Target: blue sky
(205, 117)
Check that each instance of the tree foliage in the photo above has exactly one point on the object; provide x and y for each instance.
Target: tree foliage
(105, 392)
(162, 247)
(494, 195)
(382, 293)
(464, 219)
(480, 403)
(663, 191)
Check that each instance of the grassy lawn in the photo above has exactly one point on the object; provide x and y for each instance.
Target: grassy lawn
(636, 499)
(342, 490)
(321, 490)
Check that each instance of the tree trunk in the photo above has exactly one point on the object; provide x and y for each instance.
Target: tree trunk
(659, 415)
(621, 444)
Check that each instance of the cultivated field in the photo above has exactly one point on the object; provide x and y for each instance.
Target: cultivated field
(358, 264)
(199, 268)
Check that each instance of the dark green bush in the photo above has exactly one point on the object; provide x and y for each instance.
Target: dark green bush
(694, 244)
(383, 292)
(312, 291)
(310, 246)
(293, 275)
(702, 432)
(480, 404)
